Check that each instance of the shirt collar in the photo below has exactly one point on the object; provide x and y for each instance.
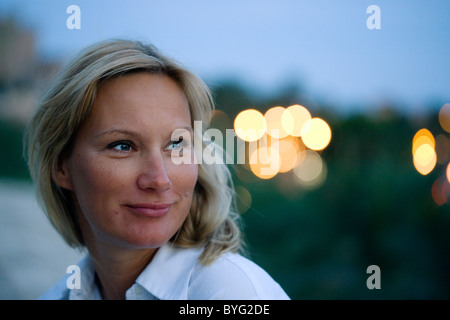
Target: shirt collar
(88, 288)
(166, 277)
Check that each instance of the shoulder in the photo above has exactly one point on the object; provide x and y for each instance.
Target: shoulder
(177, 273)
(61, 290)
(233, 277)
(58, 292)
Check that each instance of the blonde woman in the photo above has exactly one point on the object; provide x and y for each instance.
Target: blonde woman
(100, 150)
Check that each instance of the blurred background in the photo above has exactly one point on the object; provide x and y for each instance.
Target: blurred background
(362, 167)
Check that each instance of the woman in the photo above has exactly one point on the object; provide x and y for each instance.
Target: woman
(101, 148)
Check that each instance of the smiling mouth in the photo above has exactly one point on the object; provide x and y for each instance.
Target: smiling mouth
(151, 210)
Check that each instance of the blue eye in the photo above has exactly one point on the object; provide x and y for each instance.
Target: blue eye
(177, 145)
(121, 146)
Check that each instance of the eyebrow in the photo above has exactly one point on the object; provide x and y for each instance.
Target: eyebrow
(115, 130)
(132, 133)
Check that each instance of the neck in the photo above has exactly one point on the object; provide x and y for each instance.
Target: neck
(116, 265)
(118, 269)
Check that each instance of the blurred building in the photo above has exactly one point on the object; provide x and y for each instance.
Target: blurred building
(22, 73)
(17, 53)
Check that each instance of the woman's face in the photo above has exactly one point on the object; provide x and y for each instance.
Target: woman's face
(127, 190)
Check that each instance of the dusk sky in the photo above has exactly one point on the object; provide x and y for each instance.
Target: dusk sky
(324, 45)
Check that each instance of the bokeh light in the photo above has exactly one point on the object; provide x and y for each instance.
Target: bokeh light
(250, 125)
(312, 171)
(423, 136)
(316, 134)
(444, 117)
(442, 149)
(425, 159)
(282, 140)
(265, 162)
(294, 118)
(291, 153)
(448, 172)
(424, 153)
(273, 118)
(440, 191)
(429, 151)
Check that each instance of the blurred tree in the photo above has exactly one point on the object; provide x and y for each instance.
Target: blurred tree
(12, 163)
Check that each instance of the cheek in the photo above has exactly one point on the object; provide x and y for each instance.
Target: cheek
(93, 179)
(184, 179)
(88, 174)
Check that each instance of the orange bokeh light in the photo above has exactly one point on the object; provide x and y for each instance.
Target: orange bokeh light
(250, 125)
(273, 118)
(423, 136)
(440, 191)
(424, 153)
(278, 142)
(291, 153)
(448, 172)
(444, 117)
(316, 134)
(312, 171)
(294, 118)
(424, 159)
(265, 162)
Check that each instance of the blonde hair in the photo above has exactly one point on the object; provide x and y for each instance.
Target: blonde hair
(212, 222)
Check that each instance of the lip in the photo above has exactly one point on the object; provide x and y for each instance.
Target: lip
(151, 210)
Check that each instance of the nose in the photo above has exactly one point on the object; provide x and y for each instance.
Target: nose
(154, 174)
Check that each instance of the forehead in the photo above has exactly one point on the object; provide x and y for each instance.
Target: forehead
(140, 87)
(140, 99)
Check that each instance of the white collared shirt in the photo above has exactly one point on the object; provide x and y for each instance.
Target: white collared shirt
(176, 274)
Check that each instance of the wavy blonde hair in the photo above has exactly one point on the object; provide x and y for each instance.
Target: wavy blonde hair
(212, 222)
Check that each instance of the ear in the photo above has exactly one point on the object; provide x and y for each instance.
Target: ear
(61, 176)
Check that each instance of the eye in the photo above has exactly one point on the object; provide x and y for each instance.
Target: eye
(121, 146)
(177, 145)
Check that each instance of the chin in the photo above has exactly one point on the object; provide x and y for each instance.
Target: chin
(150, 241)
